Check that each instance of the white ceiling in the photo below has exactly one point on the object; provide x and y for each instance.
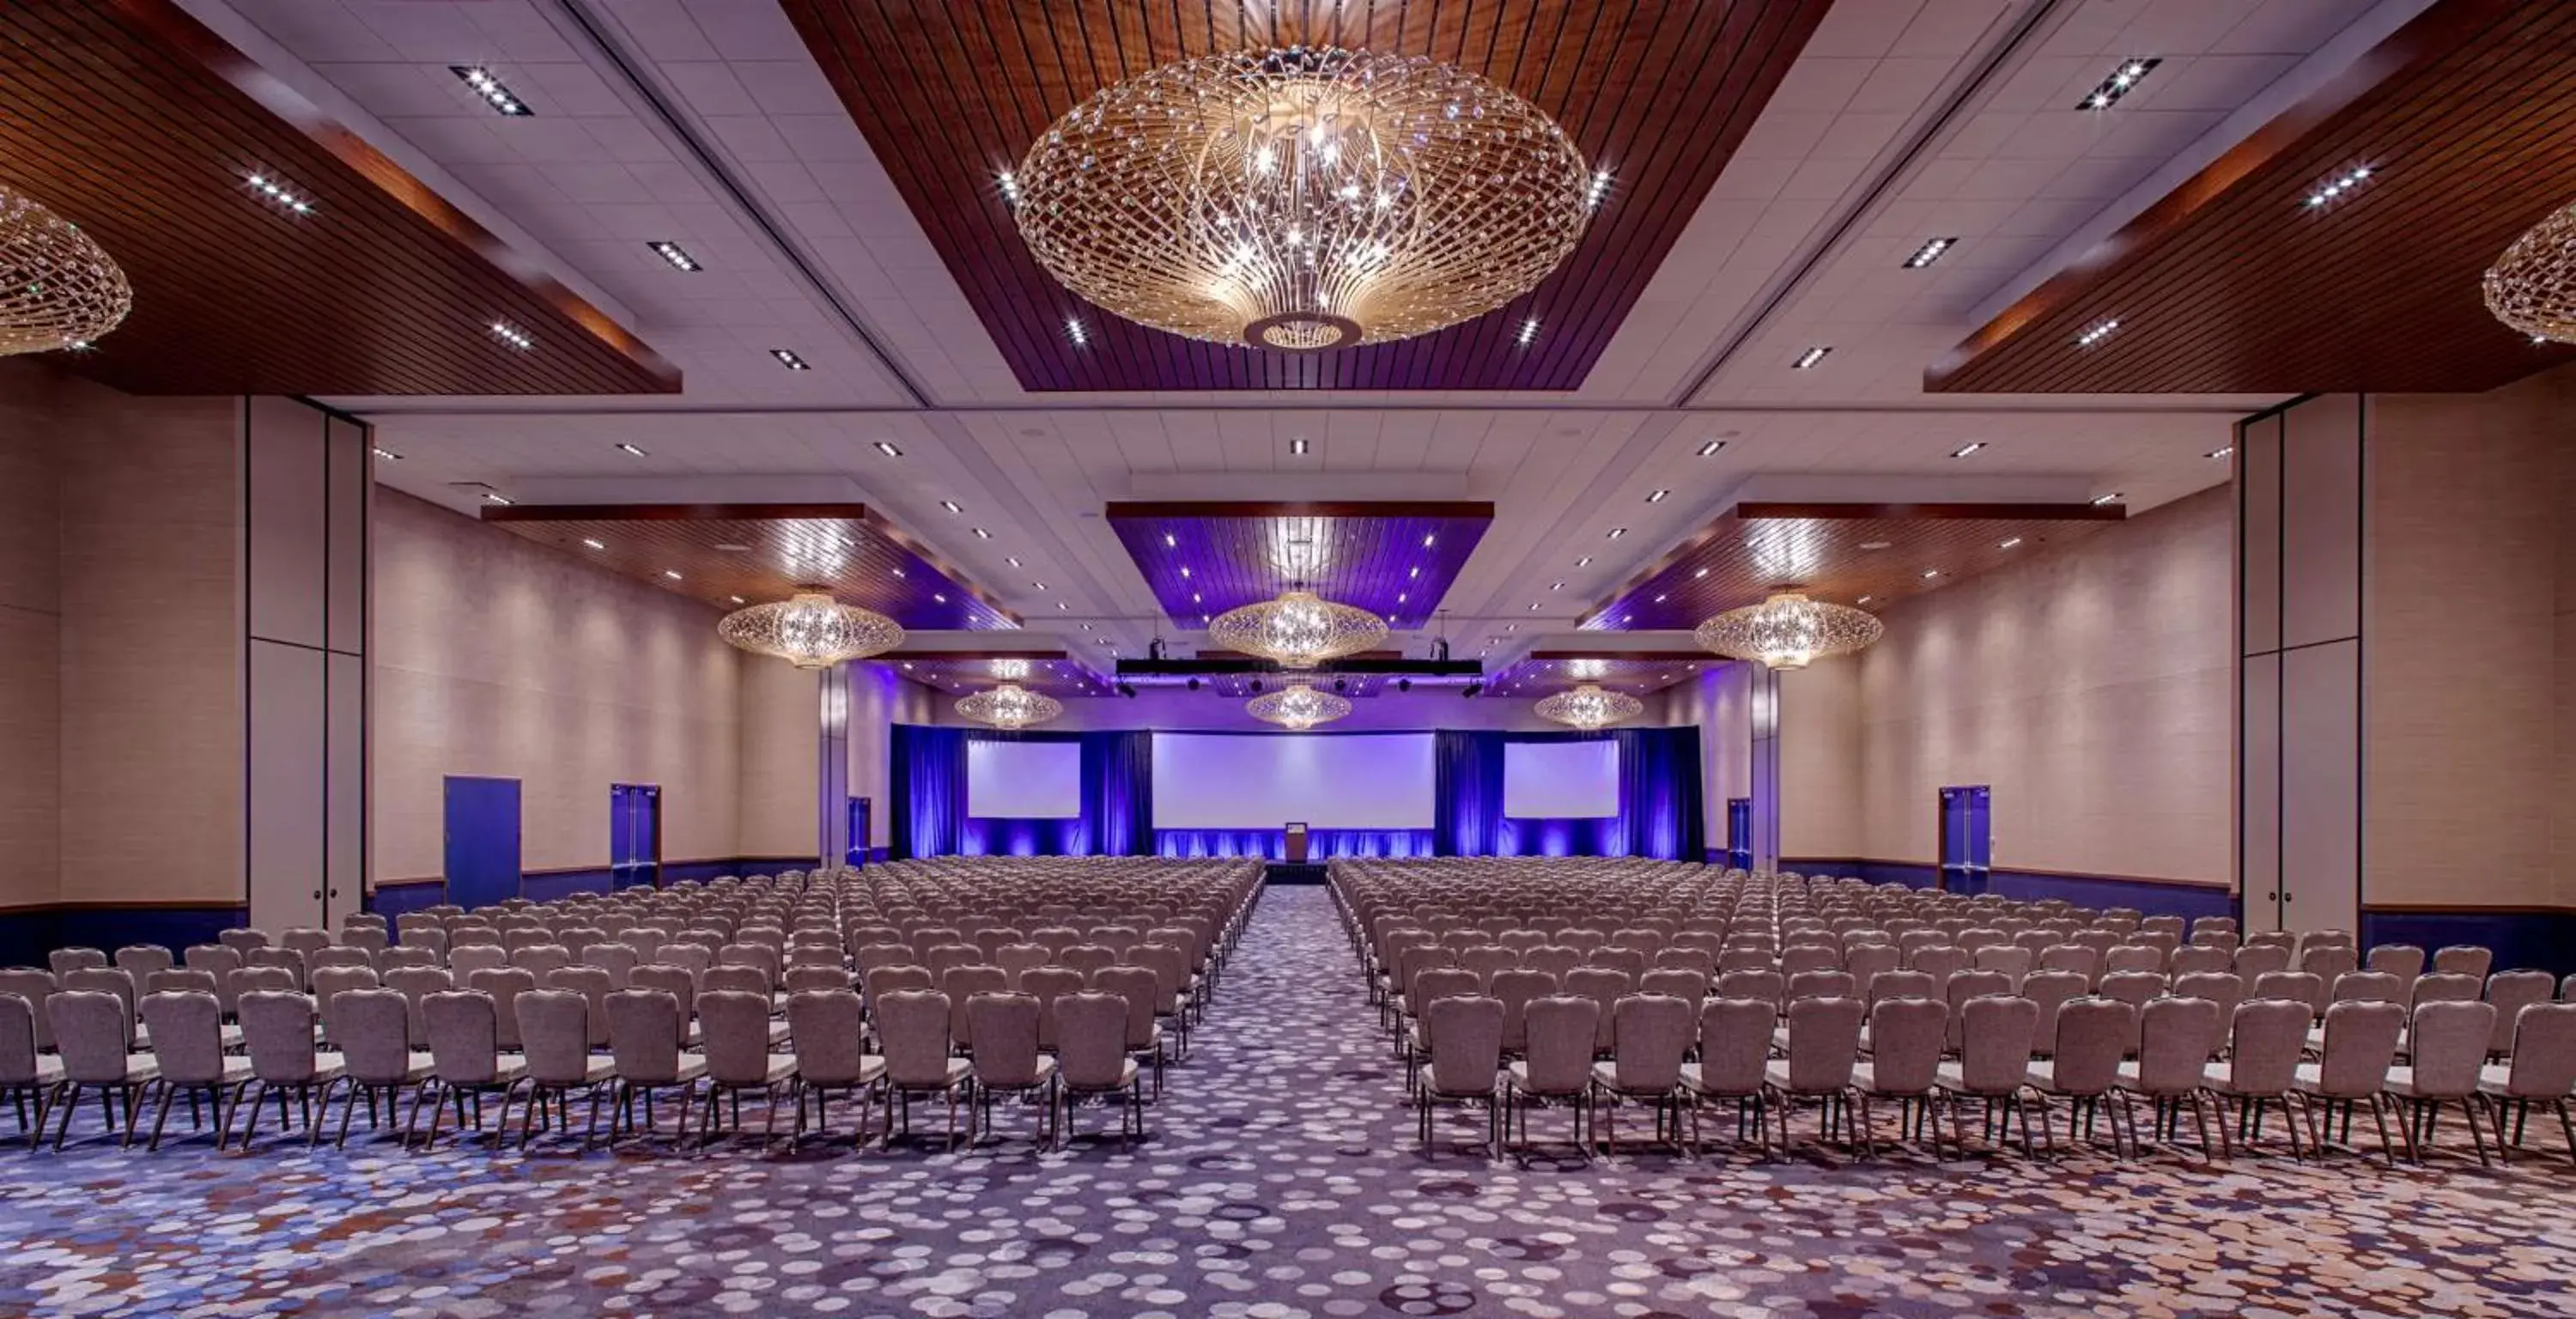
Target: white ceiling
(706, 123)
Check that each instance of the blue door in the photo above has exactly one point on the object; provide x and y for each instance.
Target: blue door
(861, 809)
(1967, 838)
(1739, 832)
(634, 835)
(482, 840)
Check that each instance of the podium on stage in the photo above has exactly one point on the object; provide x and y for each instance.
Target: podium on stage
(1296, 850)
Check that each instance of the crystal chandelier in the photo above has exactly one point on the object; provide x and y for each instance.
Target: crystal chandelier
(1298, 706)
(1010, 706)
(810, 630)
(1590, 706)
(1789, 630)
(1300, 629)
(2532, 287)
(1302, 199)
(58, 289)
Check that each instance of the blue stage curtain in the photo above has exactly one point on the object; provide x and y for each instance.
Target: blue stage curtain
(1272, 844)
(930, 794)
(1660, 813)
(929, 790)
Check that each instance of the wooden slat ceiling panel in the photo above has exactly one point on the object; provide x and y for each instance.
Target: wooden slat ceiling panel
(1659, 92)
(1395, 560)
(727, 555)
(1052, 673)
(2466, 118)
(1850, 554)
(1544, 673)
(137, 123)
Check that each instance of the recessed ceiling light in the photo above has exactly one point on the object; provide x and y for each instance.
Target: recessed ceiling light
(1297, 445)
(1412, 573)
(1584, 562)
(1010, 187)
(1012, 560)
(1617, 532)
(1073, 330)
(279, 193)
(1038, 585)
(1711, 447)
(2096, 334)
(1428, 540)
(2337, 187)
(735, 598)
(1511, 627)
(1659, 599)
(1597, 189)
(792, 362)
(1810, 357)
(1556, 586)
(888, 450)
(494, 94)
(2111, 498)
(2122, 80)
(1062, 605)
(495, 497)
(513, 336)
(1965, 449)
(1534, 606)
(951, 506)
(1196, 598)
(1876, 544)
(1863, 600)
(2009, 542)
(594, 544)
(1185, 570)
(2220, 452)
(941, 597)
(981, 534)
(898, 572)
(1701, 573)
(1529, 331)
(1930, 573)
(672, 573)
(1658, 497)
(1399, 597)
(670, 251)
(630, 450)
(387, 454)
(1928, 253)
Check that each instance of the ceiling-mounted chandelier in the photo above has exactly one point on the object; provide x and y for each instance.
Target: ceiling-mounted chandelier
(2532, 287)
(1010, 706)
(1297, 705)
(1302, 199)
(1590, 706)
(811, 630)
(58, 288)
(1300, 629)
(1789, 630)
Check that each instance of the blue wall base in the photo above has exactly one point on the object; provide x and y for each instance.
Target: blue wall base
(552, 885)
(2096, 892)
(29, 933)
(2522, 937)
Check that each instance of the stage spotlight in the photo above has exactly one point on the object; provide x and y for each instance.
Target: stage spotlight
(1472, 689)
(1127, 690)
(1404, 684)
(1194, 684)
(1341, 684)
(1256, 686)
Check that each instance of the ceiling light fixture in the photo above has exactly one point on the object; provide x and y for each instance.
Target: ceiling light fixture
(1598, 190)
(981, 534)
(2009, 542)
(1658, 497)
(1788, 631)
(494, 94)
(2118, 83)
(1965, 449)
(1013, 560)
(790, 360)
(1314, 198)
(1808, 359)
(630, 450)
(2111, 498)
(496, 497)
(1930, 573)
(2532, 287)
(2337, 187)
(1010, 706)
(1584, 562)
(1073, 330)
(1711, 447)
(888, 449)
(1589, 707)
(1299, 629)
(2096, 334)
(1297, 705)
(1528, 332)
(672, 573)
(1010, 185)
(387, 454)
(670, 251)
(278, 193)
(594, 544)
(1617, 532)
(1297, 447)
(1928, 253)
(2220, 452)
(1038, 585)
(951, 506)
(58, 288)
(810, 630)
(513, 336)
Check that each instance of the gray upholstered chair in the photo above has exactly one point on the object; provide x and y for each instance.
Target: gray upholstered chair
(92, 1030)
(1650, 1035)
(1092, 1060)
(1465, 1037)
(645, 1029)
(912, 1025)
(277, 1034)
(829, 1029)
(2261, 1070)
(1907, 1036)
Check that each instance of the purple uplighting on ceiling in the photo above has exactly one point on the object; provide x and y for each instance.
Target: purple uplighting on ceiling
(1394, 559)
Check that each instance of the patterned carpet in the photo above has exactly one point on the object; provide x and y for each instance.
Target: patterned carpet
(1282, 1180)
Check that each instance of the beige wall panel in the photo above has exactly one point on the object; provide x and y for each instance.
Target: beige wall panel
(780, 760)
(1820, 761)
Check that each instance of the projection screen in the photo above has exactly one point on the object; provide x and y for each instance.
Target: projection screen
(1024, 780)
(1360, 781)
(1560, 780)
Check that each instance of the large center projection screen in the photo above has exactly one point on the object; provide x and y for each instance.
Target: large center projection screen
(1024, 780)
(1263, 782)
(1560, 780)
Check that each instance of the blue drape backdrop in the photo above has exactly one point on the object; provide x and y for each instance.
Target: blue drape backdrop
(929, 792)
(1659, 804)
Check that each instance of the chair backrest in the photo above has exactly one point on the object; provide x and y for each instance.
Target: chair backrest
(1650, 1033)
(464, 1036)
(1735, 1043)
(617, 958)
(2368, 987)
(2199, 959)
(1046, 984)
(176, 980)
(913, 1024)
(2402, 960)
(2463, 959)
(1994, 1042)
(1906, 1036)
(2448, 1045)
(1017, 959)
(825, 1025)
(2293, 986)
(1091, 1039)
(1973, 984)
(91, 1029)
(2224, 988)
(735, 979)
(1466, 1033)
(2511, 992)
(644, 1031)
(2330, 961)
(1006, 1037)
(2012, 960)
(2074, 957)
(142, 959)
(503, 985)
(2265, 1040)
(1824, 1043)
(2092, 1038)
(1138, 986)
(1898, 984)
(961, 984)
(554, 1035)
(2261, 959)
(63, 961)
(2544, 1052)
(1766, 985)
(1865, 960)
(242, 941)
(2448, 987)
(187, 1035)
(878, 981)
(1940, 961)
(277, 1033)
(734, 1027)
(372, 1028)
(1516, 987)
(1558, 1030)
(2361, 1042)
(1822, 984)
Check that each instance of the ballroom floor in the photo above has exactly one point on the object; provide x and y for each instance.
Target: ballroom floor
(1283, 1180)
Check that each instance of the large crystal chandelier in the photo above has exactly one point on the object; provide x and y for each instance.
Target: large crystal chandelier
(2532, 287)
(1590, 706)
(1302, 199)
(810, 630)
(1300, 629)
(1297, 705)
(1010, 706)
(58, 289)
(1789, 630)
